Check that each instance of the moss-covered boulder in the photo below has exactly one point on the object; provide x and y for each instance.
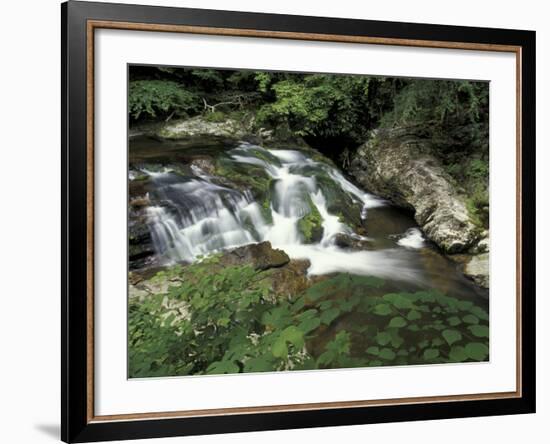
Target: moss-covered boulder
(310, 226)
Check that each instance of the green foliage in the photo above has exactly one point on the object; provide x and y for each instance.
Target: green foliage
(225, 320)
(318, 105)
(157, 98)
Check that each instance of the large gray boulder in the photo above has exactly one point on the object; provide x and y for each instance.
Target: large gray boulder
(395, 164)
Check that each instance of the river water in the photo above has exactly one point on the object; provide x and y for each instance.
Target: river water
(192, 212)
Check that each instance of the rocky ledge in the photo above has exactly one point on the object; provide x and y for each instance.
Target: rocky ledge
(287, 277)
(200, 126)
(395, 164)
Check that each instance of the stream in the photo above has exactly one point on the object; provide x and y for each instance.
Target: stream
(209, 197)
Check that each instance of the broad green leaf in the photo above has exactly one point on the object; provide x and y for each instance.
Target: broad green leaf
(373, 350)
(414, 315)
(479, 331)
(398, 300)
(431, 353)
(329, 315)
(397, 322)
(476, 351)
(279, 348)
(387, 354)
(309, 325)
(293, 335)
(382, 309)
(259, 364)
(383, 338)
(454, 321)
(470, 319)
(457, 354)
(464, 305)
(480, 313)
(451, 336)
(222, 367)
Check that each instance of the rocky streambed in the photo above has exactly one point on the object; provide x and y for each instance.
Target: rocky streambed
(194, 194)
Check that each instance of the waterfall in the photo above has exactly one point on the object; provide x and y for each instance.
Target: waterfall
(193, 215)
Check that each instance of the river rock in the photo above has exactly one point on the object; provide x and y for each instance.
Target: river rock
(394, 165)
(200, 127)
(351, 242)
(262, 256)
(477, 268)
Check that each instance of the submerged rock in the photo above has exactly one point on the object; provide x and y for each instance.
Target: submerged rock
(261, 256)
(394, 165)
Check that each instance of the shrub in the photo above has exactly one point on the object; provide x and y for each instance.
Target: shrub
(157, 98)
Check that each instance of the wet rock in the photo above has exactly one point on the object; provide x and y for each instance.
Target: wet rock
(290, 280)
(140, 244)
(394, 165)
(351, 242)
(482, 245)
(478, 269)
(261, 256)
(204, 164)
(474, 266)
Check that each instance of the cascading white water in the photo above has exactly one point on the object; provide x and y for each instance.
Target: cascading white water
(194, 217)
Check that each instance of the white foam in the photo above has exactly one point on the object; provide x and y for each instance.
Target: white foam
(412, 238)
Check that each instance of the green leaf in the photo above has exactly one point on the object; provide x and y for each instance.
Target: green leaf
(454, 321)
(457, 354)
(326, 357)
(259, 364)
(431, 353)
(382, 309)
(387, 354)
(479, 331)
(329, 315)
(221, 367)
(480, 313)
(309, 325)
(398, 300)
(373, 350)
(476, 351)
(397, 322)
(383, 338)
(464, 305)
(470, 319)
(279, 348)
(451, 336)
(293, 335)
(413, 315)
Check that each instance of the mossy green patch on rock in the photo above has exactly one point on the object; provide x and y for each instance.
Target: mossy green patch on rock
(244, 177)
(311, 226)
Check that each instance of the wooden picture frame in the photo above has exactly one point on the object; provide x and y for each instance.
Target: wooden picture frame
(79, 22)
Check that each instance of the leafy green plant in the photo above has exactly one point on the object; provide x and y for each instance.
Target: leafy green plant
(215, 319)
(157, 98)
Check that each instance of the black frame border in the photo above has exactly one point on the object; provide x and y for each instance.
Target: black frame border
(75, 426)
